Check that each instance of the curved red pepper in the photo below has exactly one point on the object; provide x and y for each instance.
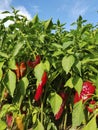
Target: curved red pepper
(39, 90)
(64, 97)
(32, 64)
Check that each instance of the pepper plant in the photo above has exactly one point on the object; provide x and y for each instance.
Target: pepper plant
(48, 75)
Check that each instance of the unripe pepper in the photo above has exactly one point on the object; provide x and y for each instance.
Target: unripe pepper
(87, 91)
(39, 89)
(64, 97)
(19, 122)
(32, 64)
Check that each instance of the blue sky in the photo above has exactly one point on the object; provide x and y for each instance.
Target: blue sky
(67, 11)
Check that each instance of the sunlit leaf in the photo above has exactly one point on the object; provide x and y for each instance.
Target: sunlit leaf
(91, 124)
(16, 49)
(12, 63)
(10, 81)
(77, 118)
(55, 102)
(3, 125)
(78, 83)
(38, 71)
(23, 84)
(67, 63)
(39, 126)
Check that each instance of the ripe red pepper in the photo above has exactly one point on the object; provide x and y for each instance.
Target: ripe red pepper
(64, 97)
(9, 119)
(20, 70)
(17, 71)
(87, 90)
(92, 106)
(32, 64)
(39, 90)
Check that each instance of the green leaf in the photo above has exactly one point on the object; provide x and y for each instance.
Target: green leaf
(91, 124)
(39, 126)
(47, 65)
(35, 19)
(4, 110)
(48, 24)
(51, 126)
(77, 81)
(16, 49)
(57, 45)
(5, 12)
(12, 63)
(57, 53)
(3, 125)
(1, 72)
(78, 65)
(55, 102)
(69, 83)
(10, 81)
(77, 114)
(42, 38)
(23, 84)
(38, 71)
(67, 63)
(2, 54)
(89, 60)
(67, 44)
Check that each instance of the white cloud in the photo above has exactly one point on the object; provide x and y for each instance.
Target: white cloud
(78, 8)
(5, 5)
(23, 11)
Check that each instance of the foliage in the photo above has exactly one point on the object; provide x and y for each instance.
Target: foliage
(68, 57)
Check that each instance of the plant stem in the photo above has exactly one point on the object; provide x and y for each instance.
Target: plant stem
(41, 112)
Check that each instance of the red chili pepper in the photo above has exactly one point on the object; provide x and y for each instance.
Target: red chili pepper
(17, 71)
(32, 64)
(22, 69)
(87, 90)
(64, 97)
(9, 119)
(91, 107)
(39, 90)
